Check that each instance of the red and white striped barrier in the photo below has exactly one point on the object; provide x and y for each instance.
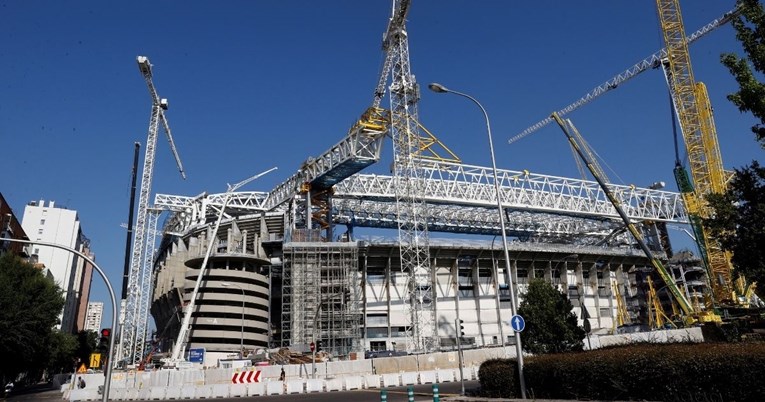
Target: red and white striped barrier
(246, 377)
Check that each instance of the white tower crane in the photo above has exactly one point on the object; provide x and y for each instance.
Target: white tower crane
(133, 330)
(408, 175)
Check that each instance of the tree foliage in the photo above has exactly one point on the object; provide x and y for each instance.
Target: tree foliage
(551, 325)
(750, 31)
(739, 221)
(29, 307)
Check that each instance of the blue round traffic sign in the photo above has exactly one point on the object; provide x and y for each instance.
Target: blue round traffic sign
(517, 323)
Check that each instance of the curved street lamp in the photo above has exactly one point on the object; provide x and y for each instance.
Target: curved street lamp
(438, 88)
(108, 371)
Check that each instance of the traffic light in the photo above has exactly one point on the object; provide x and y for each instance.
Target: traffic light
(461, 330)
(103, 343)
(318, 346)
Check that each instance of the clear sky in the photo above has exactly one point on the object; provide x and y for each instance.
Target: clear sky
(258, 84)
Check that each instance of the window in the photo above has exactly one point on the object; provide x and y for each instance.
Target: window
(37, 251)
(39, 231)
(42, 221)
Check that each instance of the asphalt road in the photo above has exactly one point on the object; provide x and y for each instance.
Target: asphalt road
(423, 393)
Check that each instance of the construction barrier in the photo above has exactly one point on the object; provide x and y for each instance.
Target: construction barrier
(294, 386)
(237, 390)
(314, 386)
(274, 388)
(427, 377)
(352, 383)
(446, 375)
(391, 380)
(172, 392)
(157, 392)
(258, 389)
(220, 391)
(372, 381)
(203, 391)
(409, 378)
(335, 384)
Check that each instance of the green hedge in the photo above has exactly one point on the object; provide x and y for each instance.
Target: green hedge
(674, 372)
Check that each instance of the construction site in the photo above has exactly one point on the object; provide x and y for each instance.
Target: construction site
(241, 272)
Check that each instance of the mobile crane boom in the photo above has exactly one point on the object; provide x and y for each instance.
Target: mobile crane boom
(690, 314)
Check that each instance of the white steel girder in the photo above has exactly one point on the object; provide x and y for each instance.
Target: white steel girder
(458, 184)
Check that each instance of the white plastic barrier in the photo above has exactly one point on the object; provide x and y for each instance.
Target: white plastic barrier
(188, 392)
(335, 384)
(427, 377)
(84, 395)
(372, 381)
(391, 380)
(408, 378)
(131, 394)
(274, 388)
(203, 391)
(295, 386)
(445, 375)
(352, 383)
(474, 371)
(117, 394)
(160, 378)
(157, 392)
(173, 392)
(143, 393)
(256, 388)
(237, 390)
(314, 385)
(220, 390)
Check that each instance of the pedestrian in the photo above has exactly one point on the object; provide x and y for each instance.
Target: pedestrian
(282, 375)
(80, 382)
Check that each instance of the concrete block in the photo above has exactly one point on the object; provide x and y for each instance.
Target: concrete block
(335, 384)
(295, 386)
(353, 382)
(173, 392)
(427, 377)
(220, 390)
(372, 381)
(157, 393)
(203, 391)
(235, 390)
(255, 388)
(409, 378)
(446, 375)
(274, 388)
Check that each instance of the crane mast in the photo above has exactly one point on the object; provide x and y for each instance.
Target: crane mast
(408, 175)
(133, 333)
(697, 126)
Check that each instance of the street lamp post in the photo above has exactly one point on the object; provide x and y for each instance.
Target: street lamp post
(108, 371)
(241, 338)
(438, 88)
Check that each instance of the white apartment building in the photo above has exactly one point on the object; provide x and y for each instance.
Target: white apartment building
(48, 223)
(93, 316)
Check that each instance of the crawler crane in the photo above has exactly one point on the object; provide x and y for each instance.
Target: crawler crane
(691, 313)
(706, 172)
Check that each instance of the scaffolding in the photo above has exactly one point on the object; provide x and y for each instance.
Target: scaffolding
(321, 295)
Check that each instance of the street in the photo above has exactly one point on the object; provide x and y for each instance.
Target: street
(423, 393)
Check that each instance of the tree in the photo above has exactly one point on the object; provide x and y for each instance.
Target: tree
(750, 31)
(29, 307)
(551, 325)
(738, 219)
(87, 342)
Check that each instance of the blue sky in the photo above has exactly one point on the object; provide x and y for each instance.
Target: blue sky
(258, 84)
